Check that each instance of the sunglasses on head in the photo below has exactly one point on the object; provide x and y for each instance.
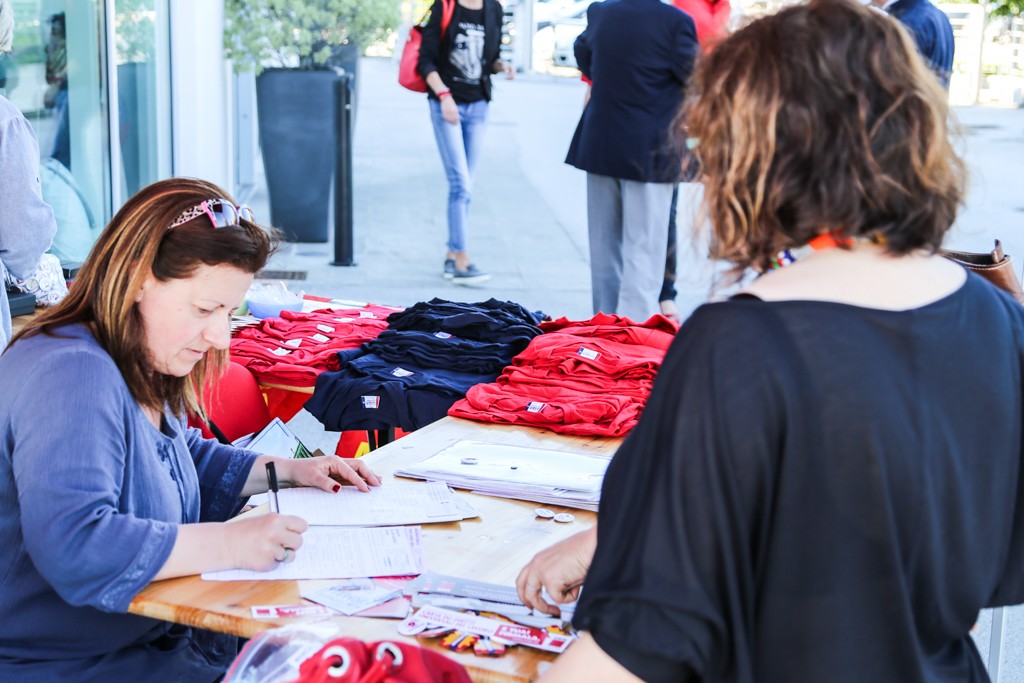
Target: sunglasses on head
(221, 213)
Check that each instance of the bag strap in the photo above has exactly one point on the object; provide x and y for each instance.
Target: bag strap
(446, 15)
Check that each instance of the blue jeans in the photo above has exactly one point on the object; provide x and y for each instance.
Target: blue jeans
(460, 150)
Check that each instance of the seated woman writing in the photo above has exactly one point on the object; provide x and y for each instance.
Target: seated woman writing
(104, 488)
(826, 484)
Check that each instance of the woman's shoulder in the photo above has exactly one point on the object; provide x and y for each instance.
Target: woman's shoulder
(71, 349)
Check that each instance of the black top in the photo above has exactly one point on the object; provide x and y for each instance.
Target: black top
(465, 55)
(818, 492)
(639, 55)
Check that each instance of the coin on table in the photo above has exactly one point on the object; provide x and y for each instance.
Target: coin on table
(564, 517)
(543, 513)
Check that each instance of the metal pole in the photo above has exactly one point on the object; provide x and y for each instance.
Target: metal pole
(343, 251)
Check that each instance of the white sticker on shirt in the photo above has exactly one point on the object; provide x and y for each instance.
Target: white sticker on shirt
(344, 320)
(370, 401)
(402, 372)
(442, 335)
(294, 343)
(535, 406)
(588, 353)
(280, 352)
(366, 314)
(325, 328)
(320, 338)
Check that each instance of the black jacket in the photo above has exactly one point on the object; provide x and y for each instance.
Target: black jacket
(639, 55)
(436, 48)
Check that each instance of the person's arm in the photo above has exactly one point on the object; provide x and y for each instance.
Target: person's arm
(430, 54)
(685, 50)
(257, 543)
(586, 662)
(27, 224)
(558, 570)
(449, 109)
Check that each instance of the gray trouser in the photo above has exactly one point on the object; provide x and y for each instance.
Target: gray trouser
(628, 225)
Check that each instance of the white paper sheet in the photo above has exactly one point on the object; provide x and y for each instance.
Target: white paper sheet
(549, 476)
(393, 504)
(338, 553)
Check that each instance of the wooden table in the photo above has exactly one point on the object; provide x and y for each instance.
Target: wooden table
(19, 321)
(492, 548)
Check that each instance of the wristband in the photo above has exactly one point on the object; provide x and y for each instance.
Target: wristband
(444, 93)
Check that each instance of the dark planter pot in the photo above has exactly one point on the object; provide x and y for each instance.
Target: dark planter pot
(297, 136)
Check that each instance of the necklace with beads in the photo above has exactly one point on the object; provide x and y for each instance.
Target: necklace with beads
(826, 240)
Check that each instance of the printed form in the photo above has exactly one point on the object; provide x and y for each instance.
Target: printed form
(337, 553)
(393, 504)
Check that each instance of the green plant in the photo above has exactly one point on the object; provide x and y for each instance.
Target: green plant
(301, 33)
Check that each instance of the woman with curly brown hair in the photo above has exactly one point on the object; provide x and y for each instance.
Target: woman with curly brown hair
(827, 482)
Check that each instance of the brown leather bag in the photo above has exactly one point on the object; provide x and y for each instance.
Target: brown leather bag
(994, 266)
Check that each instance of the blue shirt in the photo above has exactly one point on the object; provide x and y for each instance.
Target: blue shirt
(91, 496)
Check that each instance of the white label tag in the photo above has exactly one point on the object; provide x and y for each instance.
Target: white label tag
(370, 401)
(294, 343)
(280, 352)
(588, 353)
(366, 314)
(325, 328)
(535, 406)
(320, 338)
(402, 372)
(344, 320)
(442, 335)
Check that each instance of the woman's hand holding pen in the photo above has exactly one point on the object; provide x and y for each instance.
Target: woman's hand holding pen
(559, 570)
(262, 542)
(326, 472)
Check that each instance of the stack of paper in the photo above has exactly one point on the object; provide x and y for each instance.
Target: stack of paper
(393, 504)
(546, 476)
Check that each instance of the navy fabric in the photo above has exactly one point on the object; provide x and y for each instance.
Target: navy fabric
(441, 350)
(492, 320)
(932, 32)
(639, 55)
(430, 356)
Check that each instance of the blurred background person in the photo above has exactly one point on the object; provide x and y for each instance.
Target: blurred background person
(711, 19)
(26, 222)
(819, 488)
(457, 67)
(638, 56)
(931, 30)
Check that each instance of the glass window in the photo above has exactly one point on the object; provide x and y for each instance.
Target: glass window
(55, 76)
(141, 39)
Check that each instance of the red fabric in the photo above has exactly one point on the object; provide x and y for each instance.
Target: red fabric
(558, 408)
(347, 660)
(296, 347)
(711, 18)
(585, 377)
(234, 403)
(408, 72)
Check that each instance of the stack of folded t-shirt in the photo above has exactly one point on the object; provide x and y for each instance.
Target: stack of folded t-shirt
(296, 347)
(427, 359)
(589, 377)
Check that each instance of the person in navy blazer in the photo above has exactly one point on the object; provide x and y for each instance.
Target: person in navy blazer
(638, 55)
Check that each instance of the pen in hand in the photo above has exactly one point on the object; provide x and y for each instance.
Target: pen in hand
(272, 483)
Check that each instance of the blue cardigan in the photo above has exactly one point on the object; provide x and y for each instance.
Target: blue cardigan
(91, 497)
(639, 55)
